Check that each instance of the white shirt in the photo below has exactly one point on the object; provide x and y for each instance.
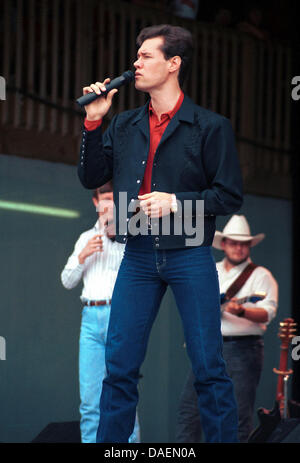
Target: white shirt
(260, 280)
(99, 271)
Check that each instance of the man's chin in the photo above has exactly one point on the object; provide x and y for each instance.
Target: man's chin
(140, 87)
(137, 85)
(237, 261)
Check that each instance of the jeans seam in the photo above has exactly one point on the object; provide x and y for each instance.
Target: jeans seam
(147, 322)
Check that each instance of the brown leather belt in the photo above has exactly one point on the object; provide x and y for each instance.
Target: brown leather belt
(103, 302)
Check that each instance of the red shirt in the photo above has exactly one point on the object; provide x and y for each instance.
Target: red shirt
(156, 128)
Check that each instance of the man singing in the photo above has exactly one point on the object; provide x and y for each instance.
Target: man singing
(172, 156)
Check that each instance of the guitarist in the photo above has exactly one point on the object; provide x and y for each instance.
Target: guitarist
(242, 324)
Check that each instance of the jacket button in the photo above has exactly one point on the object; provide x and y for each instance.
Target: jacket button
(143, 162)
(138, 181)
(153, 184)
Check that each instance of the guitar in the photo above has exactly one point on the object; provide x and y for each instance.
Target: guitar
(255, 297)
(269, 419)
(286, 333)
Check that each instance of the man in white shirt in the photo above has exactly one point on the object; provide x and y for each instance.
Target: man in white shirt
(243, 325)
(95, 259)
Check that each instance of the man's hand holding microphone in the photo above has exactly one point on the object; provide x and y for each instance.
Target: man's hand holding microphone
(98, 108)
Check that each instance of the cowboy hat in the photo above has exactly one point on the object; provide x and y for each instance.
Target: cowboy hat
(237, 229)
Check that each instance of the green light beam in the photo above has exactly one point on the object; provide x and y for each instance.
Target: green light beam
(37, 209)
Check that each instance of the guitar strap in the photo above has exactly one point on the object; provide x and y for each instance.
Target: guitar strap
(240, 281)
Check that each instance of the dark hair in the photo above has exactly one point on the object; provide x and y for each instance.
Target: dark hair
(177, 42)
(106, 188)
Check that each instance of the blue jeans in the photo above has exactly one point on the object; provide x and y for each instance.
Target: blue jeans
(244, 361)
(92, 370)
(142, 280)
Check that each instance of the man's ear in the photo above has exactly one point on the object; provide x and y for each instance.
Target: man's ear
(96, 202)
(175, 63)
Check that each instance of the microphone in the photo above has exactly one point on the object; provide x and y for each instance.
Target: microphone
(125, 78)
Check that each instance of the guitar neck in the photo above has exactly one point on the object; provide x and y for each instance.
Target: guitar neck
(282, 367)
(286, 332)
